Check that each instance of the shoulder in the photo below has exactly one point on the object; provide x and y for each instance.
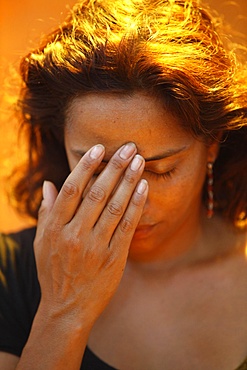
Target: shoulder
(17, 261)
(16, 248)
(22, 238)
(19, 289)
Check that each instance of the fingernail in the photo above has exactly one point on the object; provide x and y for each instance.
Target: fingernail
(45, 190)
(142, 186)
(96, 151)
(127, 151)
(136, 163)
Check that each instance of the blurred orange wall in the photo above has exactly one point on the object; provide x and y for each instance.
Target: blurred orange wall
(21, 24)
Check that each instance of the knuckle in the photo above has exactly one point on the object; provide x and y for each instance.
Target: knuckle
(116, 164)
(114, 261)
(86, 165)
(111, 261)
(53, 230)
(96, 194)
(115, 209)
(74, 242)
(70, 189)
(137, 201)
(129, 178)
(126, 225)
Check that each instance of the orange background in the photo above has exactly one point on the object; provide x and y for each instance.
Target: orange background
(21, 24)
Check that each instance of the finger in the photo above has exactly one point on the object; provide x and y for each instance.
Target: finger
(119, 201)
(49, 198)
(125, 230)
(70, 195)
(97, 196)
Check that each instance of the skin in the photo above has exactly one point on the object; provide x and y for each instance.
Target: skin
(180, 244)
(173, 210)
(134, 249)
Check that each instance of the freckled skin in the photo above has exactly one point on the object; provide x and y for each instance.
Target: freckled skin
(174, 206)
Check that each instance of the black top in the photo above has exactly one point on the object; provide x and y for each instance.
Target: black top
(20, 295)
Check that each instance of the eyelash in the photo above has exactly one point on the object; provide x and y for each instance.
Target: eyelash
(165, 175)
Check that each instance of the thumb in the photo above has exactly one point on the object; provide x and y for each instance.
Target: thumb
(49, 196)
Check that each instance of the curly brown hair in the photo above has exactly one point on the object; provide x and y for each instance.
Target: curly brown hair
(169, 48)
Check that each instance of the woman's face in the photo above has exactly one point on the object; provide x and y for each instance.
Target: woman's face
(175, 161)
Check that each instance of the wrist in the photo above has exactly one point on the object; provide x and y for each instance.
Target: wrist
(64, 319)
(57, 341)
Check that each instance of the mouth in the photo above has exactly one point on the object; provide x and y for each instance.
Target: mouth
(143, 231)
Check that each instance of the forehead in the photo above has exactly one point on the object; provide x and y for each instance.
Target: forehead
(114, 119)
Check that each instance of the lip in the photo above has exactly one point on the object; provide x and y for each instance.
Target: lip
(143, 231)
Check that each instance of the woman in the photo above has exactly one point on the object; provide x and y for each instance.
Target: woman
(135, 114)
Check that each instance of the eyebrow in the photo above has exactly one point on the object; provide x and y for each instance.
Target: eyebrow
(166, 154)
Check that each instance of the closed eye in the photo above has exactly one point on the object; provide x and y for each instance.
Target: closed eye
(165, 175)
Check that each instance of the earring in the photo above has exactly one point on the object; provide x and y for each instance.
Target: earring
(210, 182)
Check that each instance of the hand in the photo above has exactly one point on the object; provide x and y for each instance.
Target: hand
(82, 243)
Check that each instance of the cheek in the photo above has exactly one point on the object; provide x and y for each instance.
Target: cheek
(189, 182)
(189, 186)
(177, 193)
